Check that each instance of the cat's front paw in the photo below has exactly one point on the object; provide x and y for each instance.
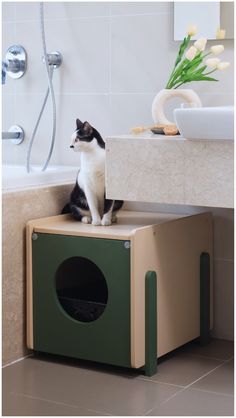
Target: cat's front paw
(114, 219)
(86, 220)
(106, 221)
(96, 221)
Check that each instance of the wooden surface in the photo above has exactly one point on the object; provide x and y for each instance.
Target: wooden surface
(127, 223)
(172, 250)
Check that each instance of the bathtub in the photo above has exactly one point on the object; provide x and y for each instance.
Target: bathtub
(15, 177)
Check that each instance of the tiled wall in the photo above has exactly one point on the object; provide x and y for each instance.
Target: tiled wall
(117, 56)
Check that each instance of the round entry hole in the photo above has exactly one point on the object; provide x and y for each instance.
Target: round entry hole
(81, 289)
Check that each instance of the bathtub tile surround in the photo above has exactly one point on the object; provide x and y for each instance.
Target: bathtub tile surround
(33, 204)
(60, 11)
(114, 96)
(132, 65)
(146, 63)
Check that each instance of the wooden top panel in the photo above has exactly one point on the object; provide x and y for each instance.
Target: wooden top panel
(127, 223)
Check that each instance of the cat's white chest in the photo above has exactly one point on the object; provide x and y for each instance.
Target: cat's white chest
(91, 176)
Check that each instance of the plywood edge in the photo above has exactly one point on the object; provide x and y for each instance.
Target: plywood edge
(137, 283)
(48, 219)
(29, 287)
(90, 233)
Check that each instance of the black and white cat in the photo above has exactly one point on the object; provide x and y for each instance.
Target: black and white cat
(87, 201)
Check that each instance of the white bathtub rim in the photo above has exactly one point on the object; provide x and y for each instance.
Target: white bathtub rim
(56, 176)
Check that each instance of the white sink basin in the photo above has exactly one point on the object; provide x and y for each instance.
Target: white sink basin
(206, 122)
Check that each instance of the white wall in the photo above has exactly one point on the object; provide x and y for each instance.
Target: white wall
(117, 56)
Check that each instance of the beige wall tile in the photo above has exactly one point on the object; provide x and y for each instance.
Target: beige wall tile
(18, 208)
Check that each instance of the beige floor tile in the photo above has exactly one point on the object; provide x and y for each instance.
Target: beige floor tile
(216, 349)
(192, 402)
(221, 380)
(19, 405)
(112, 393)
(182, 369)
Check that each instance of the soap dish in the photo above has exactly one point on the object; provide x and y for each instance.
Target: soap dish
(169, 130)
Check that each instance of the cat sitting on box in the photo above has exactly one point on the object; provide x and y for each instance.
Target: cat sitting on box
(88, 203)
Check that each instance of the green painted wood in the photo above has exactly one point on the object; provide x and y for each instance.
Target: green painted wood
(150, 323)
(105, 340)
(204, 298)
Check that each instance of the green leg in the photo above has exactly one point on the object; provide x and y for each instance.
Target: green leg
(150, 323)
(204, 298)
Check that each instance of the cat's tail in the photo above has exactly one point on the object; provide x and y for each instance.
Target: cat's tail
(66, 209)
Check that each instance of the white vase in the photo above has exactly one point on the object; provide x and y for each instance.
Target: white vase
(159, 102)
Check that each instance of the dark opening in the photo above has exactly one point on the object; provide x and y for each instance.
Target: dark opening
(81, 289)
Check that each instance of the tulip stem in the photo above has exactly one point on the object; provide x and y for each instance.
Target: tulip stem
(210, 72)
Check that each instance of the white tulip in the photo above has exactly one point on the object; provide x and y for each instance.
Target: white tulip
(217, 49)
(191, 30)
(223, 65)
(220, 33)
(200, 44)
(191, 53)
(212, 62)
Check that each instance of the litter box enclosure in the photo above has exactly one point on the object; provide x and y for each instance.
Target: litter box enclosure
(123, 294)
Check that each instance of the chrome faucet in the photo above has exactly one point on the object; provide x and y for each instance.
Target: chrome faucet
(14, 63)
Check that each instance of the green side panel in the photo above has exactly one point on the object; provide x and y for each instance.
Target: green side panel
(150, 323)
(107, 339)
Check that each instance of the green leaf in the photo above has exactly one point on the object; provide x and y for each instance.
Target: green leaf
(198, 77)
(201, 69)
(209, 79)
(182, 48)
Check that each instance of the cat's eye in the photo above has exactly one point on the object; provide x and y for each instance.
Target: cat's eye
(76, 139)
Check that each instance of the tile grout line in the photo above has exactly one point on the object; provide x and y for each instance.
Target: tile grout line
(188, 386)
(109, 63)
(56, 402)
(147, 93)
(215, 393)
(208, 358)
(231, 260)
(68, 19)
(17, 361)
(159, 381)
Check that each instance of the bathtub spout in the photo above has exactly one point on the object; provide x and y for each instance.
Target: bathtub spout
(15, 134)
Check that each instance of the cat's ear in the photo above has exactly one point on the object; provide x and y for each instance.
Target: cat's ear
(79, 124)
(87, 128)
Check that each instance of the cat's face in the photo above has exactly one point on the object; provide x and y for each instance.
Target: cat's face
(82, 139)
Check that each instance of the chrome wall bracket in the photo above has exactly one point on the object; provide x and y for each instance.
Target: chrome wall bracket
(55, 59)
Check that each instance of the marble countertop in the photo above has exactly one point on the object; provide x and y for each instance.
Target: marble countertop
(151, 136)
(170, 169)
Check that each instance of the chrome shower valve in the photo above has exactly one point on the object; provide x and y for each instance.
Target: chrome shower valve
(14, 64)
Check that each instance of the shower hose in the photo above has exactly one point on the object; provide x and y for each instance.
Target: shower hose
(49, 71)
